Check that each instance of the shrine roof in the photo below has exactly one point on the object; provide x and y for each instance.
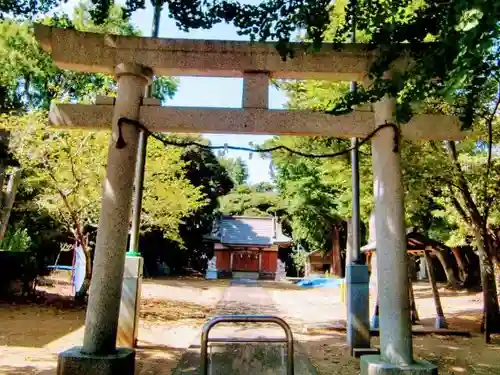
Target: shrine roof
(414, 242)
(248, 230)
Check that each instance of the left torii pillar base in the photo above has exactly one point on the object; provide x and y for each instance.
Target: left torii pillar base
(75, 362)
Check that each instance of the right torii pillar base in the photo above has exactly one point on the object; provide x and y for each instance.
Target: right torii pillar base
(374, 365)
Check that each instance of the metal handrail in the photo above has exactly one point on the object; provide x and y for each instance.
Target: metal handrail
(288, 340)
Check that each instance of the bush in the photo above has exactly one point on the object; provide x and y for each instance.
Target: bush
(19, 266)
(18, 272)
(16, 240)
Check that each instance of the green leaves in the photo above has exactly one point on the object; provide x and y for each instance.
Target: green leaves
(16, 240)
(56, 166)
(255, 200)
(460, 60)
(463, 56)
(65, 169)
(31, 80)
(26, 8)
(236, 168)
(316, 193)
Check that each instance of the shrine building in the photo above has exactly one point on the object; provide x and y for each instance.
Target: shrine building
(247, 247)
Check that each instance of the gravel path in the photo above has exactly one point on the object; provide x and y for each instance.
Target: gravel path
(245, 297)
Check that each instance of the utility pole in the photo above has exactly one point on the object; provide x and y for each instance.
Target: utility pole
(141, 153)
(358, 327)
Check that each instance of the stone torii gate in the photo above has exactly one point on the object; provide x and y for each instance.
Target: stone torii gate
(133, 60)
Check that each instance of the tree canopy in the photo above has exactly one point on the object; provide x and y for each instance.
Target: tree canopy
(236, 167)
(453, 44)
(251, 200)
(63, 170)
(30, 79)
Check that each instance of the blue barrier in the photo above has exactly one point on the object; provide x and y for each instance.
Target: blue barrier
(320, 282)
(66, 268)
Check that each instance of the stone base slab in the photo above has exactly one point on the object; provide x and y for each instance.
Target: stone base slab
(358, 352)
(373, 365)
(74, 362)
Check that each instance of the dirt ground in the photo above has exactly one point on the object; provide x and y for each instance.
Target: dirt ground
(453, 355)
(172, 313)
(173, 310)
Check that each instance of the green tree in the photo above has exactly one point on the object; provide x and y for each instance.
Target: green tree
(169, 196)
(31, 80)
(317, 192)
(450, 188)
(65, 170)
(460, 182)
(251, 201)
(203, 171)
(26, 8)
(64, 179)
(236, 168)
(57, 163)
(460, 60)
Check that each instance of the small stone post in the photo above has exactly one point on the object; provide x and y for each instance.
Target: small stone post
(128, 320)
(99, 355)
(396, 350)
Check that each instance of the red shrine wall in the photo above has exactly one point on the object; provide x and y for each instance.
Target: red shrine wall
(223, 260)
(244, 260)
(269, 261)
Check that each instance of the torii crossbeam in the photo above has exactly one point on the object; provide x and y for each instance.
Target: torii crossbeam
(253, 121)
(133, 60)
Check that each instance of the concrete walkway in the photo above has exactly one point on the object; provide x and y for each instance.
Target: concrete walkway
(244, 297)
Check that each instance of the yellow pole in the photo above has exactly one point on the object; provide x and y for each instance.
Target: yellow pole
(342, 292)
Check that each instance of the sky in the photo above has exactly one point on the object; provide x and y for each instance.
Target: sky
(209, 91)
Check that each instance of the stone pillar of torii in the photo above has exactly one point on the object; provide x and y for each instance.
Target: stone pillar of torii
(133, 60)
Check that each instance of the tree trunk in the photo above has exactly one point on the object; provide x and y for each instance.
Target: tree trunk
(496, 268)
(82, 239)
(10, 197)
(448, 269)
(491, 310)
(462, 271)
(4, 146)
(478, 224)
(413, 305)
(336, 268)
(435, 292)
(348, 250)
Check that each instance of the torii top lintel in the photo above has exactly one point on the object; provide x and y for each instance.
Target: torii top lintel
(101, 53)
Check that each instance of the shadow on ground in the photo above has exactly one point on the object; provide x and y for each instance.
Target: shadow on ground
(27, 370)
(188, 281)
(453, 355)
(468, 320)
(444, 291)
(36, 323)
(161, 310)
(157, 360)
